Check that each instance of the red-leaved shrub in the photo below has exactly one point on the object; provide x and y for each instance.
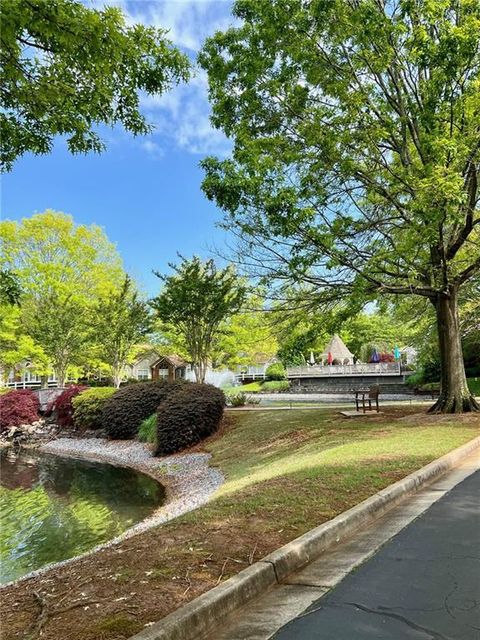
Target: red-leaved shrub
(18, 407)
(188, 416)
(63, 407)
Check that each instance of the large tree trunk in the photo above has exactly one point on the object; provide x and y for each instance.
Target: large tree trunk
(455, 396)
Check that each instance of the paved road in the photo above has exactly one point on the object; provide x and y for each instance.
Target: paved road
(424, 584)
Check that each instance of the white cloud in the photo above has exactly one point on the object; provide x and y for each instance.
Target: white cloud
(188, 22)
(152, 148)
(181, 116)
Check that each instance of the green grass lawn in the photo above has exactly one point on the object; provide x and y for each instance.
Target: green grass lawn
(302, 467)
(285, 472)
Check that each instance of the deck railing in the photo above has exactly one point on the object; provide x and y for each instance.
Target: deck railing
(325, 371)
(317, 371)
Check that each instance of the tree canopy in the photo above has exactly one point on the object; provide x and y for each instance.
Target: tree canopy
(120, 321)
(356, 151)
(66, 68)
(63, 270)
(196, 300)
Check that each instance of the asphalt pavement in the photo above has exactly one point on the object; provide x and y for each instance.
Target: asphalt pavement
(424, 584)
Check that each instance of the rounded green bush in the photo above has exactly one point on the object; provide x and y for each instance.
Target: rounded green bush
(188, 416)
(276, 371)
(124, 412)
(88, 407)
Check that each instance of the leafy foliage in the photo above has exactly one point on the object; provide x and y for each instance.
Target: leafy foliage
(124, 412)
(276, 371)
(247, 336)
(121, 321)
(67, 67)
(63, 269)
(356, 158)
(275, 386)
(188, 416)
(18, 407)
(62, 405)
(88, 407)
(197, 299)
(236, 398)
(10, 290)
(148, 429)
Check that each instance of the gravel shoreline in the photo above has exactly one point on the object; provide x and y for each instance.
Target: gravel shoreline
(188, 480)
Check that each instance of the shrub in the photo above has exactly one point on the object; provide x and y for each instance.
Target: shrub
(188, 416)
(129, 406)
(88, 407)
(148, 429)
(276, 386)
(241, 399)
(62, 405)
(251, 387)
(18, 407)
(432, 370)
(236, 399)
(276, 371)
(415, 379)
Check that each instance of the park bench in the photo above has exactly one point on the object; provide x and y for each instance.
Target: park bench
(367, 395)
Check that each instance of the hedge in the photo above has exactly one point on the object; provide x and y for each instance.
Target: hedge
(123, 412)
(188, 416)
(18, 406)
(88, 407)
(275, 386)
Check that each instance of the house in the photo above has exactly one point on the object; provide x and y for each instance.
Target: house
(140, 369)
(23, 376)
(152, 365)
(170, 367)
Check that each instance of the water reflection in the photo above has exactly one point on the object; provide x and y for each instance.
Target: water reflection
(53, 508)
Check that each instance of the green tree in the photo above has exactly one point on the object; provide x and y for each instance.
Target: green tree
(121, 321)
(63, 270)
(197, 299)
(356, 151)
(17, 346)
(248, 336)
(65, 68)
(10, 290)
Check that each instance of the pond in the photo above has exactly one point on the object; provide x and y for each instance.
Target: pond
(54, 508)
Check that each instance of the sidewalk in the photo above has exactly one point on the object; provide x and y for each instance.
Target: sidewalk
(420, 577)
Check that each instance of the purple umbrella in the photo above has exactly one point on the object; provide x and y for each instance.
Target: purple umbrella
(375, 357)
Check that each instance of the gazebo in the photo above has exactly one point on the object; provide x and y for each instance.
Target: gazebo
(340, 354)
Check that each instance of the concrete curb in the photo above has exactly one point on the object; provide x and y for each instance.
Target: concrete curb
(197, 618)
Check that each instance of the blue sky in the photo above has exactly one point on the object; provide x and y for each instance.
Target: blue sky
(144, 191)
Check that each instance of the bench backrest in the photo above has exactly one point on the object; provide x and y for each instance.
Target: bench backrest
(374, 392)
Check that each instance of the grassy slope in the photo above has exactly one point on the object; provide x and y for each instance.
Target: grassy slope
(286, 471)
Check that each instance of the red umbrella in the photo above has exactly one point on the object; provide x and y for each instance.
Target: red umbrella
(329, 357)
